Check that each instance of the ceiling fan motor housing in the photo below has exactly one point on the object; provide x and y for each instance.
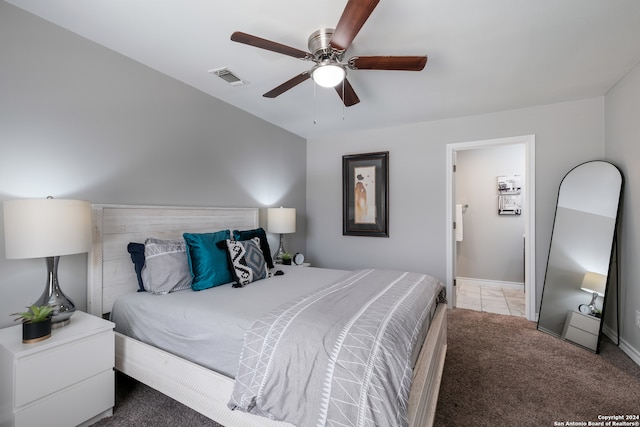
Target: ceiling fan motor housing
(328, 71)
(320, 48)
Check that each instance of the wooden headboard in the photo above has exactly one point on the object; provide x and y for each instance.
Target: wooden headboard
(110, 270)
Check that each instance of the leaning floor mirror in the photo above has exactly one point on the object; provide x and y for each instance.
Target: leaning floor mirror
(580, 255)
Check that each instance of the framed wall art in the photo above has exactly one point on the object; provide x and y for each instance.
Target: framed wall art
(365, 194)
(509, 197)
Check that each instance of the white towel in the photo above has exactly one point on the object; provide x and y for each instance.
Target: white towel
(459, 234)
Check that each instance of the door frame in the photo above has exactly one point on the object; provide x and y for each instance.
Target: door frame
(528, 213)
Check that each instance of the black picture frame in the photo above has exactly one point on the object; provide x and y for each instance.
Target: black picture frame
(364, 176)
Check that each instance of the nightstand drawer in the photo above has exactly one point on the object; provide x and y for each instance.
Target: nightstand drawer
(586, 323)
(48, 371)
(89, 397)
(581, 337)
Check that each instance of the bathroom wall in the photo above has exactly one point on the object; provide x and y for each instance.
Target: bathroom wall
(492, 247)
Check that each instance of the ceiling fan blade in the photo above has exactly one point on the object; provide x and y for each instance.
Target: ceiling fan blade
(355, 14)
(400, 63)
(350, 98)
(269, 45)
(289, 84)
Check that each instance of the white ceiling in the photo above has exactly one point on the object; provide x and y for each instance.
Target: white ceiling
(484, 55)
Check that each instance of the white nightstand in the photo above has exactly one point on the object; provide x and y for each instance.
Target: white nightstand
(582, 329)
(66, 380)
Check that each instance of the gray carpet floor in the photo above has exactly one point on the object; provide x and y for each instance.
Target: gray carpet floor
(499, 371)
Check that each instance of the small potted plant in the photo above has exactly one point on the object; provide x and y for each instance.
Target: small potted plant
(36, 323)
(286, 258)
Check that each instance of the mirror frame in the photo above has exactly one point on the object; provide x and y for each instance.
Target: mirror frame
(613, 256)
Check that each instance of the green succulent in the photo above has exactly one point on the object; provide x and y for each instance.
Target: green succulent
(35, 314)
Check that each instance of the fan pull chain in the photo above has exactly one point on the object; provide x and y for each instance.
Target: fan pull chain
(343, 101)
(314, 103)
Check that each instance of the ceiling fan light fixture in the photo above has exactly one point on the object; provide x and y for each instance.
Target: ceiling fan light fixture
(328, 74)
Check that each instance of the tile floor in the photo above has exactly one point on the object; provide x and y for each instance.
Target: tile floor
(481, 296)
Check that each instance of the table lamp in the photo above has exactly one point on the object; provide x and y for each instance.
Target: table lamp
(595, 284)
(281, 221)
(48, 228)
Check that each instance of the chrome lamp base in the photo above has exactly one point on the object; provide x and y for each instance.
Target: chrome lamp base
(63, 307)
(277, 257)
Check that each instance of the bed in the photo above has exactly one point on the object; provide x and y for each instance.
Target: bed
(206, 390)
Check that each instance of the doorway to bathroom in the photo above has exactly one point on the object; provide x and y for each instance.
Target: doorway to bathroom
(490, 211)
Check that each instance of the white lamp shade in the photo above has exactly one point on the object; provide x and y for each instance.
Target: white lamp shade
(281, 220)
(38, 228)
(594, 282)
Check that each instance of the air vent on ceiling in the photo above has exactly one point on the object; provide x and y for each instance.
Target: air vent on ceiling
(226, 75)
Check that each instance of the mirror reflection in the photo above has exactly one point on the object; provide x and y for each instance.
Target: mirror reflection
(582, 239)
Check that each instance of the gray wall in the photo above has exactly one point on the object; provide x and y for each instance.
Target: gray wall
(80, 121)
(493, 245)
(567, 134)
(623, 149)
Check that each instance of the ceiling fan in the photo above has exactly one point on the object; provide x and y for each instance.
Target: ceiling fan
(328, 47)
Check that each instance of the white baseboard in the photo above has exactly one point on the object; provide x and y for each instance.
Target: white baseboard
(630, 351)
(624, 346)
(611, 333)
(487, 282)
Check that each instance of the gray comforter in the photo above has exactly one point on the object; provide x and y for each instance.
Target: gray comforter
(339, 356)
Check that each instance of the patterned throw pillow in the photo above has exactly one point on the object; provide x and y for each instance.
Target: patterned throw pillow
(264, 243)
(166, 268)
(247, 261)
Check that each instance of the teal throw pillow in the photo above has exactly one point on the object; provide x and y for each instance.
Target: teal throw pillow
(207, 261)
